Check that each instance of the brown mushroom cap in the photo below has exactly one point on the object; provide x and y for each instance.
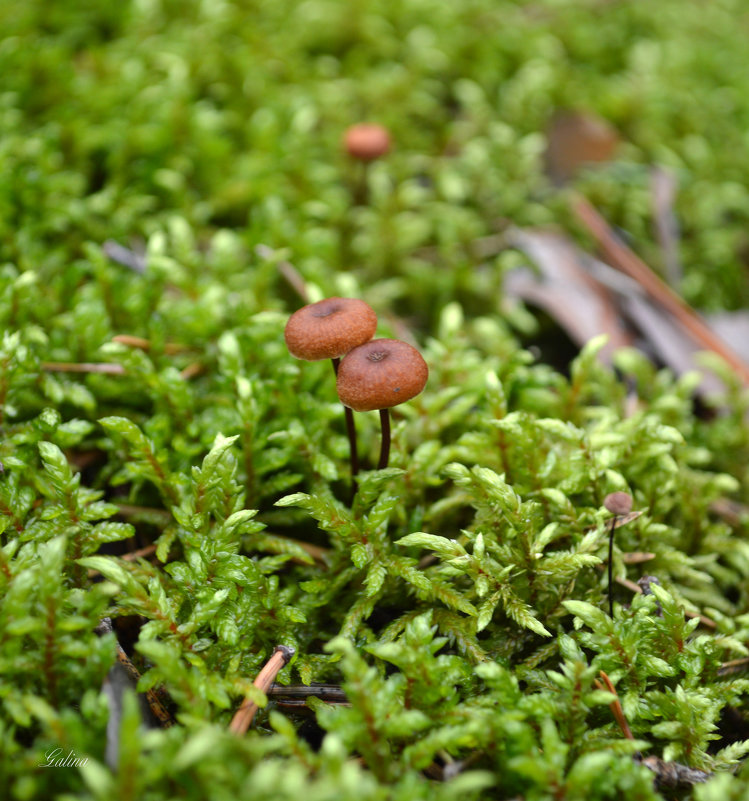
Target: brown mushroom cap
(618, 503)
(366, 141)
(380, 374)
(329, 328)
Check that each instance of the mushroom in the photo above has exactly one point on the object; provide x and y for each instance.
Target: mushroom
(327, 330)
(378, 375)
(618, 503)
(366, 141)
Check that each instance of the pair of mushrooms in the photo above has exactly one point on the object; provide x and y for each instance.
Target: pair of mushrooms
(371, 374)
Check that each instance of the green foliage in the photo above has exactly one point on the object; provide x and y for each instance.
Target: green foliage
(166, 463)
(660, 671)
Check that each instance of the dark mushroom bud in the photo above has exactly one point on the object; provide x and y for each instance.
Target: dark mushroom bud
(366, 141)
(327, 330)
(378, 375)
(618, 503)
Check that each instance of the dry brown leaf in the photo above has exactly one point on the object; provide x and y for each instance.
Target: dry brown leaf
(664, 186)
(580, 304)
(667, 302)
(733, 327)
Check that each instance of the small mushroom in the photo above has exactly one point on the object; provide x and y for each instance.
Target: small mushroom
(366, 141)
(618, 503)
(327, 330)
(378, 375)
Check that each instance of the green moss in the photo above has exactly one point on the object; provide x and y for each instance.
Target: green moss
(460, 599)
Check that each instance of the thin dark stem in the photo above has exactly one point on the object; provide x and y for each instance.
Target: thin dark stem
(385, 446)
(351, 432)
(611, 566)
(360, 189)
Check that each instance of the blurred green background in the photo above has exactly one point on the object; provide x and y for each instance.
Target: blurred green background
(196, 132)
(114, 117)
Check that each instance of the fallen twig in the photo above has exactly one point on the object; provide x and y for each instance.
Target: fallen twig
(620, 256)
(146, 344)
(733, 667)
(636, 557)
(83, 367)
(192, 369)
(245, 714)
(332, 693)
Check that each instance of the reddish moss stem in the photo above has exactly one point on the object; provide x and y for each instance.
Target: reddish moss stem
(615, 705)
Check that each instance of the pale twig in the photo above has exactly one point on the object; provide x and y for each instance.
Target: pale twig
(734, 666)
(245, 714)
(636, 557)
(145, 344)
(83, 367)
(192, 369)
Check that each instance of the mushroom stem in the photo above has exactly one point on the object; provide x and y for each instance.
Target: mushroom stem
(611, 565)
(377, 375)
(385, 445)
(351, 432)
(360, 188)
